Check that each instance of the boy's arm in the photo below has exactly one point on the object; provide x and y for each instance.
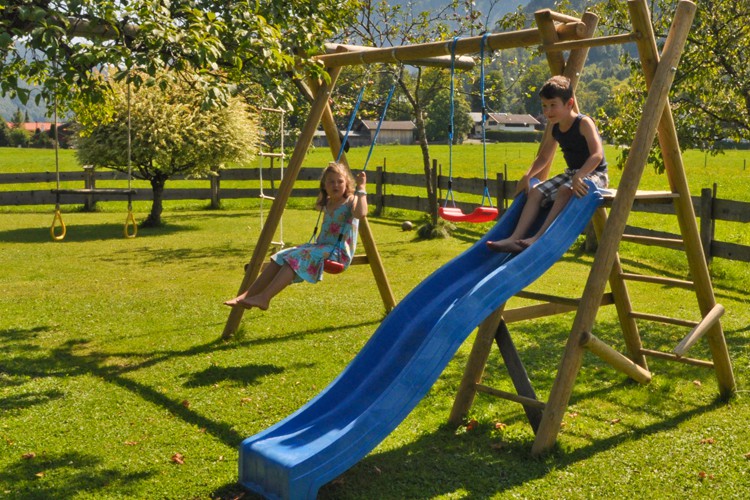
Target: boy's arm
(543, 158)
(596, 154)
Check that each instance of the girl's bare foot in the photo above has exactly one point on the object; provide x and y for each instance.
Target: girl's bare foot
(507, 245)
(254, 301)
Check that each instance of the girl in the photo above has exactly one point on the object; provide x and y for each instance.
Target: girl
(341, 203)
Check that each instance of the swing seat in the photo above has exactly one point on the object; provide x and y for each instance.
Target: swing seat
(333, 267)
(480, 214)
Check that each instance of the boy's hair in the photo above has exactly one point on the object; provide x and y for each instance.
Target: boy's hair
(557, 86)
(334, 168)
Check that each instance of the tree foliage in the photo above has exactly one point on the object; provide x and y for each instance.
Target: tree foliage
(710, 96)
(219, 41)
(170, 133)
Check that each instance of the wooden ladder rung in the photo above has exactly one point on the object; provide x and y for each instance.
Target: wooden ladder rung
(615, 359)
(654, 241)
(663, 319)
(272, 155)
(645, 196)
(360, 259)
(557, 305)
(673, 357)
(534, 403)
(700, 329)
(659, 280)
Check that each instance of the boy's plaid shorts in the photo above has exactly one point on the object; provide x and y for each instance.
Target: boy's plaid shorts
(551, 186)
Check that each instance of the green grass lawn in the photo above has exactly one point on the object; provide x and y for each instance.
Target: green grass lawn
(115, 382)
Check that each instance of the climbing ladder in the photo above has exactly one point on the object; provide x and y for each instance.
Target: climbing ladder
(609, 223)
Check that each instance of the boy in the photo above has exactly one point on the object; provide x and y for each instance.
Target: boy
(584, 155)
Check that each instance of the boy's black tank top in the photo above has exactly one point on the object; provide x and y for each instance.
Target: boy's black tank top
(574, 146)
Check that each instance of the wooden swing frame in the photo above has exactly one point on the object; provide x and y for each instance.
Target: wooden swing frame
(555, 33)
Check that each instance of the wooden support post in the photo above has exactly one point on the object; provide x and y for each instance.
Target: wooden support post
(89, 182)
(480, 352)
(675, 170)
(215, 189)
(700, 329)
(319, 104)
(379, 196)
(615, 359)
(609, 242)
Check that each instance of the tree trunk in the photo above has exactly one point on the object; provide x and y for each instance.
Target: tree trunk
(423, 145)
(157, 187)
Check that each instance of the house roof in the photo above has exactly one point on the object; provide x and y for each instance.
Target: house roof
(388, 125)
(507, 118)
(33, 126)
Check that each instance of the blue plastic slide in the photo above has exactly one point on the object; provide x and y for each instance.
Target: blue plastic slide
(402, 360)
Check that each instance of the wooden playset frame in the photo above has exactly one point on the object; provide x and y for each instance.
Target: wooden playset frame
(555, 33)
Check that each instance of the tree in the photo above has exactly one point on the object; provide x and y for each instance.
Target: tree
(710, 97)
(438, 118)
(4, 133)
(221, 42)
(171, 133)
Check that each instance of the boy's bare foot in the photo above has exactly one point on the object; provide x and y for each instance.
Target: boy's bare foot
(527, 242)
(507, 245)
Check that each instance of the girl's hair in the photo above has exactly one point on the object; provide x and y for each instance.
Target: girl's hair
(334, 168)
(557, 86)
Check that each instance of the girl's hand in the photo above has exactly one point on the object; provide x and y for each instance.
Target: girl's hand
(361, 180)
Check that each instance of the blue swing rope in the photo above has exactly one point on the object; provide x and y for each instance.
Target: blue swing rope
(449, 194)
(486, 194)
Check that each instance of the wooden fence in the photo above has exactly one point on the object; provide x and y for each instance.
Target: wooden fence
(708, 207)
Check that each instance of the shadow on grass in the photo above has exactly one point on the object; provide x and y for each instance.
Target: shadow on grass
(75, 474)
(238, 375)
(493, 465)
(87, 232)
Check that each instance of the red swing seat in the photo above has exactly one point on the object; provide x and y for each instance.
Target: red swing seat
(480, 214)
(333, 266)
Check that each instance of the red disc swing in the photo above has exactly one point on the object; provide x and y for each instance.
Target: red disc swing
(453, 213)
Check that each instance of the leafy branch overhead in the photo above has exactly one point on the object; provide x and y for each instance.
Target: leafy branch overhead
(58, 45)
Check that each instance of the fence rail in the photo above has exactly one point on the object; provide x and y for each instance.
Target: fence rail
(707, 206)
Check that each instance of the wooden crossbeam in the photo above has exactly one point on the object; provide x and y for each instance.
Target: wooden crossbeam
(663, 319)
(672, 243)
(533, 403)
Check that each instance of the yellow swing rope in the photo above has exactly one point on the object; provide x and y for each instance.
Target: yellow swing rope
(131, 228)
(57, 219)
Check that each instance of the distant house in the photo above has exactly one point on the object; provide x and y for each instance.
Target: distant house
(504, 121)
(34, 126)
(363, 132)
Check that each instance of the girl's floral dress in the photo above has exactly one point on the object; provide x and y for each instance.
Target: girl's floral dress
(307, 260)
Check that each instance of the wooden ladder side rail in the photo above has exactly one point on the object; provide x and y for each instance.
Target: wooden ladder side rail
(680, 359)
(615, 359)
(700, 329)
(319, 104)
(658, 280)
(609, 242)
(675, 171)
(365, 231)
(621, 295)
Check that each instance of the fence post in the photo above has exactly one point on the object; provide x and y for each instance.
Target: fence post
(89, 182)
(706, 216)
(500, 192)
(379, 197)
(215, 177)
